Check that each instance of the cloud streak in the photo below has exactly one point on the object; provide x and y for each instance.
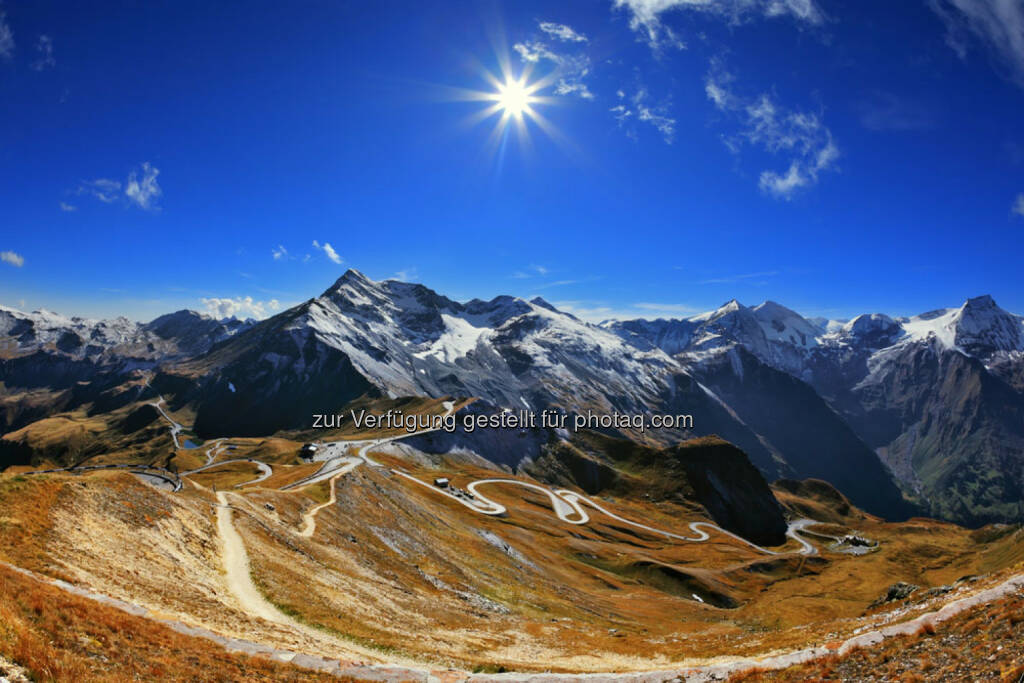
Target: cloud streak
(1018, 205)
(329, 251)
(12, 258)
(6, 36)
(733, 279)
(885, 111)
(140, 189)
(597, 312)
(239, 307)
(44, 54)
(639, 108)
(764, 123)
(562, 32)
(571, 69)
(645, 16)
(998, 25)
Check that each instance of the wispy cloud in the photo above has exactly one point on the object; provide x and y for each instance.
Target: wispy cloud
(239, 307)
(565, 282)
(328, 250)
(640, 108)
(1018, 205)
(68, 208)
(571, 68)
(733, 279)
(279, 253)
(12, 258)
(103, 189)
(997, 24)
(558, 283)
(531, 271)
(764, 123)
(645, 16)
(596, 311)
(562, 32)
(885, 111)
(406, 274)
(44, 54)
(140, 188)
(6, 36)
(675, 309)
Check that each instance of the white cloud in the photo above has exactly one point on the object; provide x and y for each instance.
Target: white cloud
(140, 188)
(996, 24)
(732, 279)
(665, 125)
(1018, 205)
(103, 189)
(406, 274)
(12, 258)
(6, 37)
(328, 250)
(716, 86)
(646, 15)
(596, 312)
(562, 32)
(239, 307)
(44, 50)
(641, 109)
(886, 111)
(621, 112)
(570, 69)
(531, 271)
(68, 208)
(280, 253)
(532, 51)
(674, 309)
(800, 136)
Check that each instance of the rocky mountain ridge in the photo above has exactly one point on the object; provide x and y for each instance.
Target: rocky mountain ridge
(854, 403)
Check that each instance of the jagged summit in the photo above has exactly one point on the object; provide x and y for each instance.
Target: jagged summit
(350, 277)
(539, 301)
(981, 326)
(729, 307)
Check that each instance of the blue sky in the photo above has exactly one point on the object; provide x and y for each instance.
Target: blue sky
(237, 157)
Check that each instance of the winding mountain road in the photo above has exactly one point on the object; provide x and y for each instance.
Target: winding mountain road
(175, 427)
(568, 507)
(342, 465)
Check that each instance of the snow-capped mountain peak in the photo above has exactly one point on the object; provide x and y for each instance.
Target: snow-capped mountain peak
(978, 328)
(982, 327)
(781, 324)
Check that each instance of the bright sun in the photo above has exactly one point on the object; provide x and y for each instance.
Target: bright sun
(514, 98)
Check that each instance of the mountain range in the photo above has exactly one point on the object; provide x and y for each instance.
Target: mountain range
(904, 415)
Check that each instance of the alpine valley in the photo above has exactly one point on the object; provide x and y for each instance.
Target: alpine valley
(843, 483)
(903, 415)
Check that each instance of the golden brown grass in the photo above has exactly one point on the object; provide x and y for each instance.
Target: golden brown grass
(396, 566)
(227, 476)
(25, 505)
(58, 636)
(983, 643)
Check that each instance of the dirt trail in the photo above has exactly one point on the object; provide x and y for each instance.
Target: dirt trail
(235, 560)
(236, 567)
(309, 519)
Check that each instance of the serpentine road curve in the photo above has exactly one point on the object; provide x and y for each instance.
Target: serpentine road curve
(568, 507)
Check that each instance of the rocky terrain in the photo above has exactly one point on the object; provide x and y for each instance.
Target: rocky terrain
(904, 415)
